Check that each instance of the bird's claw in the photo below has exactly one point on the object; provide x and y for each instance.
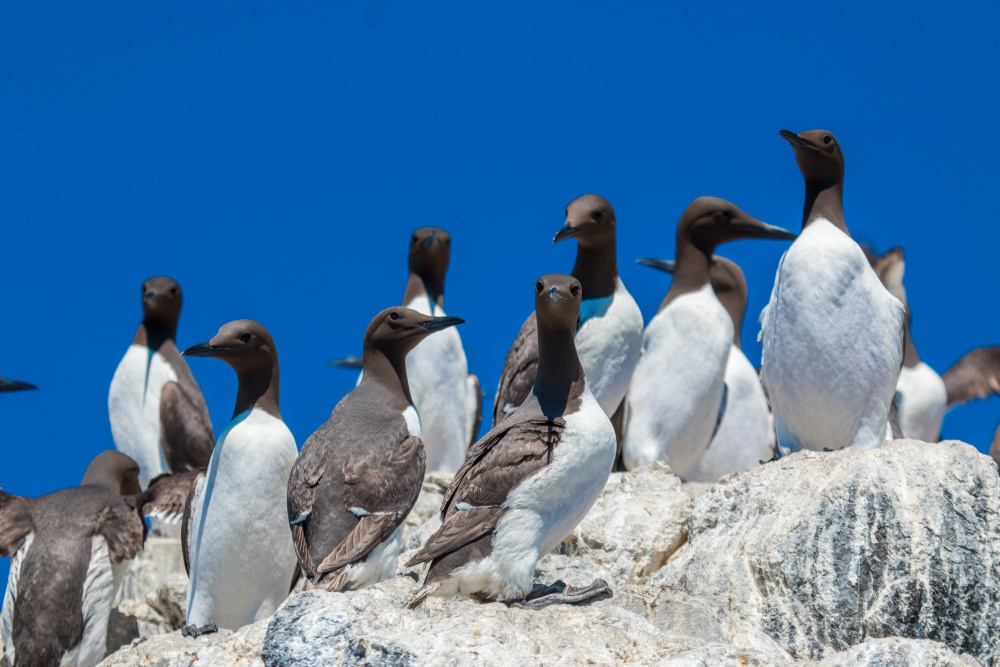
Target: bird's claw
(560, 593)
(193, 631)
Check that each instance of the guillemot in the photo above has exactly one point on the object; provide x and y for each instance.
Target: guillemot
(975, 376)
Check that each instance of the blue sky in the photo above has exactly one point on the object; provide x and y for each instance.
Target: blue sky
(275, 159)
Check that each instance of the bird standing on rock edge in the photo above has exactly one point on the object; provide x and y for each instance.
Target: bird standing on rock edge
(360, 473)
(677, 396)
(832, 334)
(528, 482)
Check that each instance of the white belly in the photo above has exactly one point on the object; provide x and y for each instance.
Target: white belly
(438, 375)
(608, 343)
(745, 436)
(832, 344)
(545, 508)
(134, 409)
(379, 565)
(923, 401)
(10, 599)
(676, 390)
(240, 545)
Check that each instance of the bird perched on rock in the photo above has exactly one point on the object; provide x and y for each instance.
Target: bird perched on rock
(677, 396)
(609, 332)
(447, 397)
(832, 334)
(15, 385)
(70, 550)
(745, 436)
(920, 392)
(237, 541)
(976, 375)
(158, 415)
(359, 474)
(529, 481)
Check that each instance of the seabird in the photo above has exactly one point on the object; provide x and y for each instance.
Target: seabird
(976, 375)
(240, 551)
(359, 474)
(832, 334)
(15, 385)
(529, 481)
(920, 392)
(609, 331)
(70, 550)
(745, 436)
(447, 397)
(158, 415)
(677, 395)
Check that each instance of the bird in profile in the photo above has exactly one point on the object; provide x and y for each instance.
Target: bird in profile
(15, 385)
(678, 397)
(360, 473)
(158, 415)
(235, 535)
(745, 435)
(921, 395)
(447, 397)
(69, 551)
(528, 482)
(609, 331)
(832, 334)
(975, 376)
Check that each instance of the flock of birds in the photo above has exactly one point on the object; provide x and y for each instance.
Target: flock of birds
(585, 390)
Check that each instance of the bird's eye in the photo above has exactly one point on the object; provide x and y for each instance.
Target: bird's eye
(827, 139)
(246, 336)
(173, 290)
(414, 239)
(575, 290)
(598, 215)
(539, 287)
(394, 316)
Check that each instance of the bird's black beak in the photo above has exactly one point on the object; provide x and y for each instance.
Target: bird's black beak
(793, 139)
(439, 323)
(567, 232)
(667, 265)
(755, 229)
(347, 362)
(205, 349)
(15, 385)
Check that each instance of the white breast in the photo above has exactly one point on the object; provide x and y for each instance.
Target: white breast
(923, 401)
(745, 436)
(134, 409)
(676, 390)
(832, 344)
(10, 599)
(438, 375)
(608, 343)
(240, 545)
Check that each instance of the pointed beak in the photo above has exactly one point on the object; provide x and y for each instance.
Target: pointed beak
(752, 228)
(205, 349)
(347, 362)
(567, 232)
(15, 385)
(666, 265)
(439, 323)
(793, 139)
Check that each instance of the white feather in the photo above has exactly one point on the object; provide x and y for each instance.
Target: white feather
(10, 598)
(379, 565)
(923, 400)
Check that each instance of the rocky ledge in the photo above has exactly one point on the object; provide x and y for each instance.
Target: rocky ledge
(859, 557)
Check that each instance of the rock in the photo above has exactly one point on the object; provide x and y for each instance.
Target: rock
(822, 551)
(221, 649)
(899, 652)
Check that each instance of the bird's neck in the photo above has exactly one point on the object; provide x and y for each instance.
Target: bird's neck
(692, 271)
(388, 371)
(258, 388)
(596, 268)
(559, 381)
(426, 285)
(825, 200)
(153, 334)
(910, 356)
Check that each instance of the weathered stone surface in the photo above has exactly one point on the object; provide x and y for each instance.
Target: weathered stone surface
(824, 550)
(222, 649)
(899, 652)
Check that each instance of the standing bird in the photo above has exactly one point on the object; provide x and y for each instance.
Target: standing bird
(15, 385)
(677, 397)
(529, 481)
(70, 550)
(920, 392)
(745, 435)
(976, 375)
(832, 334)
(447, 397)
(359, 474)
(158, 415)
(236, 536)
(609, 330)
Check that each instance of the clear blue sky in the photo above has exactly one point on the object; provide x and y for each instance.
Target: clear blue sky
(274, 158)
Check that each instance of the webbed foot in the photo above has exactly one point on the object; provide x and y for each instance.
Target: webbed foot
(775, 457)
(563, 595)
(193, 631)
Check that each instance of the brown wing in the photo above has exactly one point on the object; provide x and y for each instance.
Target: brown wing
(302, 486)
(976, 375)
(519, 370)
(123, 530)
(495, 466)
(381, 491)
(199, 478)
(186, 434)
(167, 495)
(477, 395)
(15, 522)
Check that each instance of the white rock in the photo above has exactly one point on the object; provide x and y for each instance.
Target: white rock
(899, 652)
(222, 649)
